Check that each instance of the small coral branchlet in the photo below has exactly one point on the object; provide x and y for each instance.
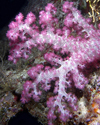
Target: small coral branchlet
(95, 11)
(75, 44)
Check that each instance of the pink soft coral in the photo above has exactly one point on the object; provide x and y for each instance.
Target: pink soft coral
(75, 44)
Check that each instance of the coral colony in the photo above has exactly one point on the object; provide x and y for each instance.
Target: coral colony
(73, 44)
